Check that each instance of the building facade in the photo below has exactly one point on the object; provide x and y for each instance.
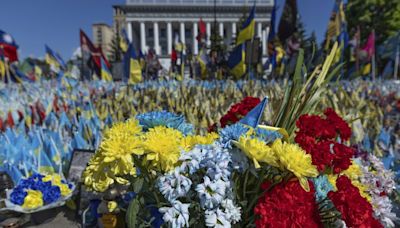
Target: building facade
(103, 35)
(157, 24)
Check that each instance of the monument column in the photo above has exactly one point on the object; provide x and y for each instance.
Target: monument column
(143, 37)
(169, 37)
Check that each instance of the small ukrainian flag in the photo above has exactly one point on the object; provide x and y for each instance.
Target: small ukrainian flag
(248, 28)
(236, 62)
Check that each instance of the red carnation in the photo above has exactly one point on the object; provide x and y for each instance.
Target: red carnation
(239, 110)
(318, 136)
(355, 210)
(340, 125)
(287, 205)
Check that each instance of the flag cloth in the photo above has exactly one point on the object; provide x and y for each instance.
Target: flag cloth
(105, 72)
(91, 54)
(253, 118)
(142, 60)
(202, 31)
(388, 70)
(336, 22)
(124, 41)
(8, 46)
(271, 61)
(2, 67)
(369, 47)
(367, 69)
(203, 61)
(287, 24)
(19, 75)
(132, 68)
(54, 59)
(248, 28)
(236, 62)
(272, 33)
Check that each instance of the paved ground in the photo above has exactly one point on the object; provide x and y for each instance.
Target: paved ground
(58, 217)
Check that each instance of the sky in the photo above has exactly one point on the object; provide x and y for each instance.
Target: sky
(57, 22)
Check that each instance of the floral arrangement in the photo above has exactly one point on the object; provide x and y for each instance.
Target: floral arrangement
(237, 112)
(40, 190)
(242, 176)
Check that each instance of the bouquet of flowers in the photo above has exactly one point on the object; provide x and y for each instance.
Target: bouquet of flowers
(39, 192)
(243, 176)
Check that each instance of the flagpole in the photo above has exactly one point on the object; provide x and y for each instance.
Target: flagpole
(357, 49)
(396, 61)
(373, 58)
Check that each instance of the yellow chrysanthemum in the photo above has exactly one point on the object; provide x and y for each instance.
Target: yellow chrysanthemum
(121, 141)
(114, 159)
(33, 199)
(190, 141)
(354, 173)
(257, 151)
(162, 147)
(295, 159)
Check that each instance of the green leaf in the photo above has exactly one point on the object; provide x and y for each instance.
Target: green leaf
(137, 185)
(131, 214)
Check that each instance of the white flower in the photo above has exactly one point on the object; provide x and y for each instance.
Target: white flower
(216, 218)
(177, 215)
(191, 160)
(211, 193)
(383, 210)
(232, 212)
(174, 185)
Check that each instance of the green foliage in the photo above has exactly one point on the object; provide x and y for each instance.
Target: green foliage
(381, 15)
(302, 97)
(131, 214)
(116, 51)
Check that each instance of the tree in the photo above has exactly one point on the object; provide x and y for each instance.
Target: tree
(116, 51)
(301, 32)
(381, 15)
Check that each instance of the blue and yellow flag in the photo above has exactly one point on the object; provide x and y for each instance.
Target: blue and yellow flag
(203, 62)
(54, 60)
(132, 68)
(105, 72)
(124, 41)
(253, 118)
(248, 28)
(236, 62)
(142, 60)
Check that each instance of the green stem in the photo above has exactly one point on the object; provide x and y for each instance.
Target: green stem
(245, 184)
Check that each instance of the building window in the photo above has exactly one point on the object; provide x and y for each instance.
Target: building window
(188, 33)
(150, 32)
(163, 33)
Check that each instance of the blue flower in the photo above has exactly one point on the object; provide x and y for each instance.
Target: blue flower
(267, 135)
(164, 118)
(322, 187)
(37, 176)
(41, 186)
(232, 132)
(18, 195)
(51, 194)
(27, 183)
(127, 197)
